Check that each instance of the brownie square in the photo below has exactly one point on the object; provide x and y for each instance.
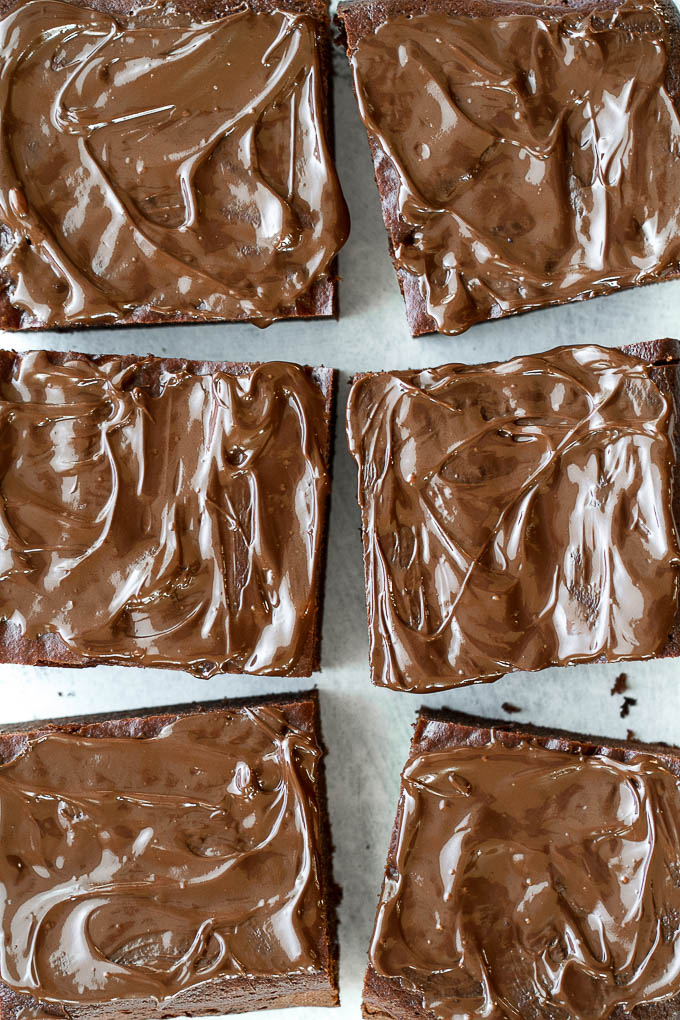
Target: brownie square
(166, 163)
(173, 862)
(531, 873)
(519, 515)
(525, 153)
(163, 512)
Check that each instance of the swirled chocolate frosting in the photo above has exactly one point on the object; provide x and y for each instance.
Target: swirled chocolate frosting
(516, 515)
(135, 868)
(526, 154)
(532, 883)
(163, 518)
(157, 164)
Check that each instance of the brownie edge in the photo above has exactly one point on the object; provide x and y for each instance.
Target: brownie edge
(318, 985)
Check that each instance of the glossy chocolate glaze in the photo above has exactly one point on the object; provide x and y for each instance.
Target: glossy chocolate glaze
(162, 165)
(174, 525)
(516, 515)
(524, 159)
(526, 882)
(133, 868)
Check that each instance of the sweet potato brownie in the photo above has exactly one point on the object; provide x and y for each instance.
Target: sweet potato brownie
(163, 512)
(166, 162)
(519, 515)
(172, 862)
(531, 874)
(526, 153)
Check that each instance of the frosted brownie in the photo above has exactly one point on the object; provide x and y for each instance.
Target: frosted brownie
(526, 154)
(173, 862)
(163, 512)
(531, 874)
(166, 162)
(519, 515)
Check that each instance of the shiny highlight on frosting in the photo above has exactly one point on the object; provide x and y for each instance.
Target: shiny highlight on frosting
(529, 159)
(533, 883)
(516, 515)
(134, 868)
(174, 524)
(154, 164)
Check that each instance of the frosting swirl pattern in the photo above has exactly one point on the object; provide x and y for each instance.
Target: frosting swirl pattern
(155, 165)
(532, 883)
(136, 868)
(524, 160)
(172, 523)
(516, 515)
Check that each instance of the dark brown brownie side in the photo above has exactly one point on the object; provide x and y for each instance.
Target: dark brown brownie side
(439, 730)
(301, 710)
(664, 357)
(322, 300)
(49, 649)
(358, 18)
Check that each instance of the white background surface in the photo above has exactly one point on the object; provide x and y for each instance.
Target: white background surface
(367, 729)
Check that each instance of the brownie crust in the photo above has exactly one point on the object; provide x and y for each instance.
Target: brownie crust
(225, 995)
(49, 649)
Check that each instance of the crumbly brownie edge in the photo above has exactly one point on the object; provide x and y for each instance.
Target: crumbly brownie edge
(302, 711)
(664, 357)
(49, 649)
(386, 998)
(328, 451)
(358, 18)
(321, 300)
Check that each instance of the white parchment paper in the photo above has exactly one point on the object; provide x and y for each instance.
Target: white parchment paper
(366, 729)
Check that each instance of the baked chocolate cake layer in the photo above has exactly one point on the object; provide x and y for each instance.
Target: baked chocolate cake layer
(531, 874)
(525, 153)
(163, 512)
(519, 515)
(166, 163)
(172, 862)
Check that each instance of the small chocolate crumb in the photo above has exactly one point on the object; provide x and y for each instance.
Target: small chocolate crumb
(630, 735)
(620, 684)
(508, 707)
(627, 705)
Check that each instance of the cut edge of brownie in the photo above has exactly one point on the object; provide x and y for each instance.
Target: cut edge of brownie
(358, 18)
(49, 649)
(387, 998)
(322, 299)
(663, 356)
(302, 710)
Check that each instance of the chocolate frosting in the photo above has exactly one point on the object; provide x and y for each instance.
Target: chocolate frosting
(134, 868)
(532, 883)
(161, 163)
(524, 159)
(516, 515)
(174, 524)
